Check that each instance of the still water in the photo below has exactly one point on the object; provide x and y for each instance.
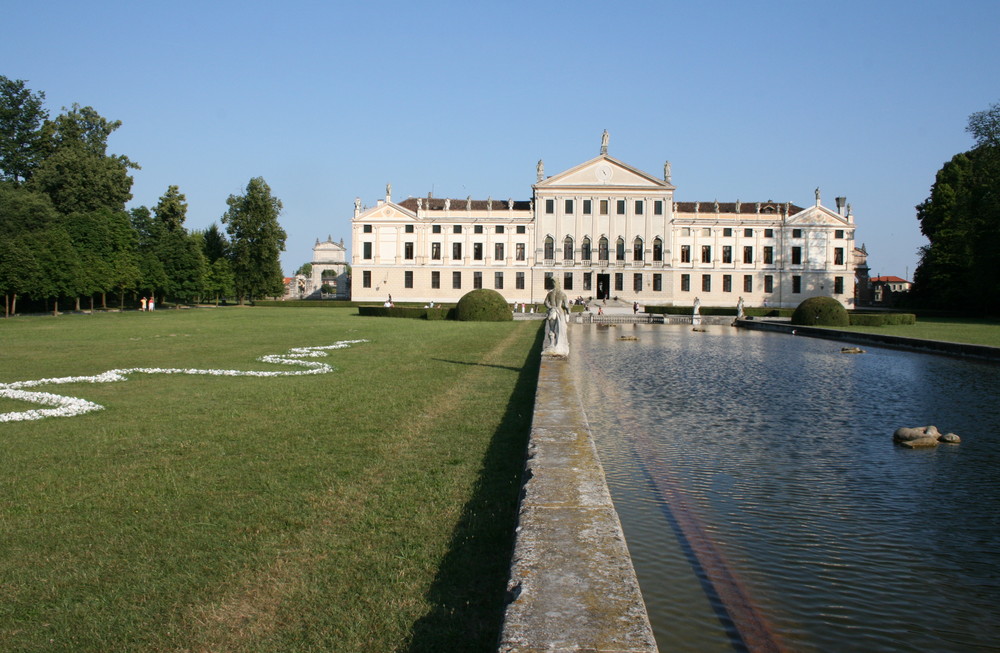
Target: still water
(765, 505)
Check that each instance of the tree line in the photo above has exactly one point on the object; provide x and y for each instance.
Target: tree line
(66, 236)
(958, 268)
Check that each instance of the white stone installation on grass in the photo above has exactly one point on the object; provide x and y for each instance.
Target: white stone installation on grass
(63, 406)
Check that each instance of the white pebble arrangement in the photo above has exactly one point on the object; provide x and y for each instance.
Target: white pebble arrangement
(62, 406)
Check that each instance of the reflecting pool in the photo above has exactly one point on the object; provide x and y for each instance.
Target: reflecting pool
(765, 504)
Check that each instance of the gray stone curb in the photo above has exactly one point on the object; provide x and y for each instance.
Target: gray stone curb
(572, 585)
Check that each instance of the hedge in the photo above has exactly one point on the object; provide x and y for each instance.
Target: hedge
(408, 311)
(882, 319)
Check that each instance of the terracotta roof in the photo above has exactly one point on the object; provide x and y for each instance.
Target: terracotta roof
(888, 279)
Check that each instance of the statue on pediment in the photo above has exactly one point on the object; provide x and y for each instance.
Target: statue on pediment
(447, 204)
(604, 142)
(666, 171)
(540, 171)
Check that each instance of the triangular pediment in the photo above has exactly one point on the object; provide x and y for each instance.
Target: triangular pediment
(388, 212)
(818, 215)
(603, 172)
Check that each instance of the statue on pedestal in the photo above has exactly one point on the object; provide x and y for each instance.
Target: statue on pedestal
(556, 322)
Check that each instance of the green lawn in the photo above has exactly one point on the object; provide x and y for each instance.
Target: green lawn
(368, 509)
(976, 332)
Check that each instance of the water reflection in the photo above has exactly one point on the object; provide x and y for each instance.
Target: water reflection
(780, 449)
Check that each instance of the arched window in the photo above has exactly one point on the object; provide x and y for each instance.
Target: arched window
(620, 249)
(568, 249)
(585, 249)
(549, 248)
(637, 249)
(602, 249)
(657, 249)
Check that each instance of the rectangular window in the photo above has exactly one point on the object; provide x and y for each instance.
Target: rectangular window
(620, 207)
(727, 283)
(519, 280)
(435, 279)
(748, 233)
(567, 281)
(728, 231)
(498, 280)
(685, 282)
(727, 254)
(548, 285)
(748, 254)
(408, 279)
(550, 206)
(706, 253)
(747, 283)
(637, 282)
(657, 282)
(521, 229)
(519, 252)
(456, 229)
(498, 251)
(435, 228)
(706, 283)
(769, 233)
(796, 256)
(796, 233)
(707, 232)
(604, 207)
(838, 256)
(456, 251)
(796, 284)
(639, 207)
(587, 206)
(768, 255)
(436, 251)
(477, 251)
(685, 231)
(408, 228)
(477, 279)
(408, 250)
(838, 285)
(685, 253)
(499, 229)
(587, 280)
(839, 233)
(456, 280)
(366, 279)
(658, 207)
(367, 250)
(568, 207)
(367, 229)
(478, 229)
(619, 281)
(768, 283)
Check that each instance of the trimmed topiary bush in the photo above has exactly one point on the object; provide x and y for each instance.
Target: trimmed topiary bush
(483, 305)
(821, 311)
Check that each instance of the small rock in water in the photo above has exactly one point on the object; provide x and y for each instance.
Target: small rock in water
(919, 443)
(949, 438)
(852, 350)
(627, 338)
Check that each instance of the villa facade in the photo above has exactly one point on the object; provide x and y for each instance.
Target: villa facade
(604, 229)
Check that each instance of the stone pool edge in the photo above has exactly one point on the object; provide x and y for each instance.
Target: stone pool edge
(572, 585)
(981, 352)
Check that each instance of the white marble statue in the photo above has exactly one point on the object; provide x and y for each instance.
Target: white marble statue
(556, 322)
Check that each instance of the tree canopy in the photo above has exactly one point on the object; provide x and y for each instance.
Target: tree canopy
(256, 240)
(961, 220)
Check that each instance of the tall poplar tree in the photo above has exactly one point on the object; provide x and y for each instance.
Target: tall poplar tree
(256, 240)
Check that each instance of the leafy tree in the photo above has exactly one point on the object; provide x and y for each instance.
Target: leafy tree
(77, 173)
(214, 244)
(58, 265)
(306, 270)
(23, 211)
(149, 230)
(18, 268)
(961, 220)
(171, 210)
(219, 280)
(106, 243)
(21, 118)
(179, 254)
(256, 240)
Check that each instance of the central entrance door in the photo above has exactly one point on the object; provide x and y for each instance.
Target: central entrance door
(603, 286)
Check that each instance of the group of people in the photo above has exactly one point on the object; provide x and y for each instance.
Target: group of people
(147, 304)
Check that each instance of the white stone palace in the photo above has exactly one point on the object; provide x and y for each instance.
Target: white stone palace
(605, 230)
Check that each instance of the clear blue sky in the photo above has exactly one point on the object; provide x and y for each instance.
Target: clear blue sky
(331, 100)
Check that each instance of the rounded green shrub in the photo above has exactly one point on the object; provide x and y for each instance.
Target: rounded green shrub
(483, 305)
(821, 311)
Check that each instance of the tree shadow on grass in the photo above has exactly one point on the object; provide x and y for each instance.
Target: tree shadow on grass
(468, 594)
